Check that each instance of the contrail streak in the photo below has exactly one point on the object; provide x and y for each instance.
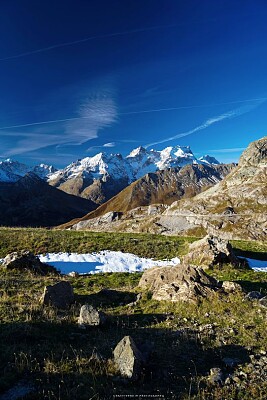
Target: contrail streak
(193, 106)
(260, 100)
(106, 35)
(230, 114)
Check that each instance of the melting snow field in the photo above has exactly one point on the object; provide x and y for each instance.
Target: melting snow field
(104, 261)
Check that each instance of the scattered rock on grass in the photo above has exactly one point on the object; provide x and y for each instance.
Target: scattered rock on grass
(59, 295)
(128, 358)
(91, 316)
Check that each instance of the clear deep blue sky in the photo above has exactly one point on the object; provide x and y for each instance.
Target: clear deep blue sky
(117, 74)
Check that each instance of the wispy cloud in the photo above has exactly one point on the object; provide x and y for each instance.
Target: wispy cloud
(213, 120)
(111, 144)
(96, 112)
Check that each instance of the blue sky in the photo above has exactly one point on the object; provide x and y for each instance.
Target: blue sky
(78, 77)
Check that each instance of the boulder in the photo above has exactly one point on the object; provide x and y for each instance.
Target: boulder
(91, 316)
(231, 287)
(128, 358)
(254, 295)
(25, 260)
(59, 295)
(209, 251)
(263, 301)
(179, 283)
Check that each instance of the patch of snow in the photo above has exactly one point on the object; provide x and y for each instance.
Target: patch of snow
(257, 265)
(104, 261)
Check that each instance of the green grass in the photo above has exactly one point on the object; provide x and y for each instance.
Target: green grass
(43, 241)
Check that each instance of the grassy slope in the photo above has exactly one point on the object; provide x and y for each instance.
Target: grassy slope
(43, 346)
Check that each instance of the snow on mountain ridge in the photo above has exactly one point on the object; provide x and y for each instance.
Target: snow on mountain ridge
(12, 171)
(136, 164)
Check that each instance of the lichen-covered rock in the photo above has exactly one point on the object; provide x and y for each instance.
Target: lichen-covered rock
(91, 316)
(25, 260)
(179, 283)
(209, 251)
(128, 358)
(59, 295)
(231, 287)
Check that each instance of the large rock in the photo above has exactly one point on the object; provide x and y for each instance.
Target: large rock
(128, 358)
(179, 283)
(25, 260)
(59, 295)
(209, 251)
(91, 316)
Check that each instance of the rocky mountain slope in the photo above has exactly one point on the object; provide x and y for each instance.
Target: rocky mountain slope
(33, 202)
(163, 187)
(236, 207)
(103, 176)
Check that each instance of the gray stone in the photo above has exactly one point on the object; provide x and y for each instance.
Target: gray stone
(263, 301)
(254, 295)
(128, 358)
(59, 295)
(179, 283)
(216, 375)
(25, 260)
(231, 287)
(209, 251)
(90, 316)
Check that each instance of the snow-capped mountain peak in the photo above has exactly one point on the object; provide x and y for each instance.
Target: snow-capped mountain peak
(208, 160)
(137, 152)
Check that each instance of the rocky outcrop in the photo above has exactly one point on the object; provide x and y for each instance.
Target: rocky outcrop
(59, 295)
(234, 208)
(209, 251)
(128, 358)
(89, 316)
(180, 283)
(26, 260)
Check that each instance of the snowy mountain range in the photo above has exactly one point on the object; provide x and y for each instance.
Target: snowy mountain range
(139, 162)
(12, 171)
(135, 165)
